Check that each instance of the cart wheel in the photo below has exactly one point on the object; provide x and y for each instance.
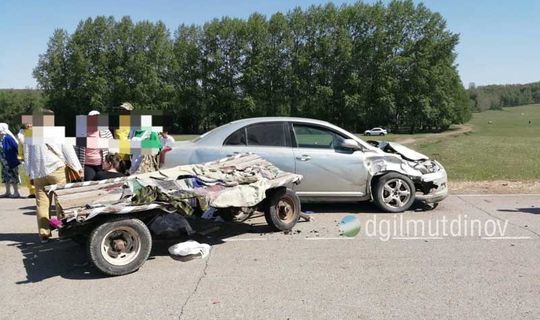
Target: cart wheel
(119, 246)
(283, 209)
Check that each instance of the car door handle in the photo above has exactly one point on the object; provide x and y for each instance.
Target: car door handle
(304, 157)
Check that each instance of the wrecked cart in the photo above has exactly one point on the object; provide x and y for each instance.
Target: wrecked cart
(112, 217)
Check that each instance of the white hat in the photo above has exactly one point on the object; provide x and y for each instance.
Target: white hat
(126, 106)
(93, 113)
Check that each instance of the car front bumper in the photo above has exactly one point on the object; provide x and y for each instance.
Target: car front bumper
(439, 181)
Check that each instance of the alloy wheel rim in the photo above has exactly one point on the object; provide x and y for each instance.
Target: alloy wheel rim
(285, 209)
(396, 193)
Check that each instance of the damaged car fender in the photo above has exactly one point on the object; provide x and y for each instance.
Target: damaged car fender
(429, 176)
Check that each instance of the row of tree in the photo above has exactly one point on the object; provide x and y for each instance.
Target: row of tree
(496, 97)
(356, 65)
(16, 102)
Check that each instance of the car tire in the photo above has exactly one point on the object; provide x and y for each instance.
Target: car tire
(120, 246)
(394, 192)
(368, 134)
(282, 210)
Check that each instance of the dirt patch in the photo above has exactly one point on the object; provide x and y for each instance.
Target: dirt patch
(496, 186)
(458, 130)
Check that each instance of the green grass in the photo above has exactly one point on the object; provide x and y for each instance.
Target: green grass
(506, 148)
(184, 137)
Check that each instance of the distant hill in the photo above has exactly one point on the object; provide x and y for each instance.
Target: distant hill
(494, 97)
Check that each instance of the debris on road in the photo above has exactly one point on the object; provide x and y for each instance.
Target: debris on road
(190, 248)
(306, 217)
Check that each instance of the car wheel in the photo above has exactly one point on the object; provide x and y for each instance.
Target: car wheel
(282, 210)
(119, 246)
(394, 192)
(368, 134)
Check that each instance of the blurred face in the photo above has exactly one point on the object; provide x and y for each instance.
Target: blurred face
(48, 120)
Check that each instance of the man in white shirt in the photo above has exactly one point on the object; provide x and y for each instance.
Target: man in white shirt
(167, 142)
(46, 167)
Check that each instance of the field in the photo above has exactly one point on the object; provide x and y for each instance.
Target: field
(502, 145)
(494, 145)
(184, 137)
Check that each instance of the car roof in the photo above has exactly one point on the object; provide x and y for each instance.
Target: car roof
(219, 134)
(216, 136)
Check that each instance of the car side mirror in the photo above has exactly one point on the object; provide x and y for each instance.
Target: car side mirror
(351, 144)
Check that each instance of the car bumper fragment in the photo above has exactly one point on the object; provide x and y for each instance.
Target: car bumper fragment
(439, 180)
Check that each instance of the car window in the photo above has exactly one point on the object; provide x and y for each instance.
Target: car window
(238, 138)
(266, 134)
(316, 137)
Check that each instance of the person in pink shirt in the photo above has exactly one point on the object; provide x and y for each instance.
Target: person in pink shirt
(90, 156)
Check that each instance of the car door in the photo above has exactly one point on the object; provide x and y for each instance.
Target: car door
(329, 170)
(270, 140)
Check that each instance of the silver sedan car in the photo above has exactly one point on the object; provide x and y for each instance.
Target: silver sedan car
(336, 165)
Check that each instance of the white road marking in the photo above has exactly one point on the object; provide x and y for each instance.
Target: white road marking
(417, 238)
(353, 238)
(496, 195)
(506, 238)
(331, 238)
(245, 239)
(266, 239)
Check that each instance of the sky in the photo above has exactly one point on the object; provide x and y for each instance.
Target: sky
(499, 40)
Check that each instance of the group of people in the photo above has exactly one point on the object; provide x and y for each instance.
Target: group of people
(46, 164)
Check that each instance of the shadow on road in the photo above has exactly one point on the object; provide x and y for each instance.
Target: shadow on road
(56, 258)
(30, 210)
(64, 258)
(67, 259)
(530, 210)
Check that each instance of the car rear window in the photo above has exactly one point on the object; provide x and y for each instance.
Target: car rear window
(266, 134)
(238, 138)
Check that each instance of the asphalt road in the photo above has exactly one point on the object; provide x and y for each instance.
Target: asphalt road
(310, 273)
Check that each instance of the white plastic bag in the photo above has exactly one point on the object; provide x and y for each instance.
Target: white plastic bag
(190, 247)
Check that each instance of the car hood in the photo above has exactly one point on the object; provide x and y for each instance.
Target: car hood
(403, 151)
(407, 153)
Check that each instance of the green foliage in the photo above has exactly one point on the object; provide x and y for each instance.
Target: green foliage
(496, 97)
(355, 65)
(16, 102)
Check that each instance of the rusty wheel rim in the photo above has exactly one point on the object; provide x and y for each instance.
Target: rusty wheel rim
(285, 209)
